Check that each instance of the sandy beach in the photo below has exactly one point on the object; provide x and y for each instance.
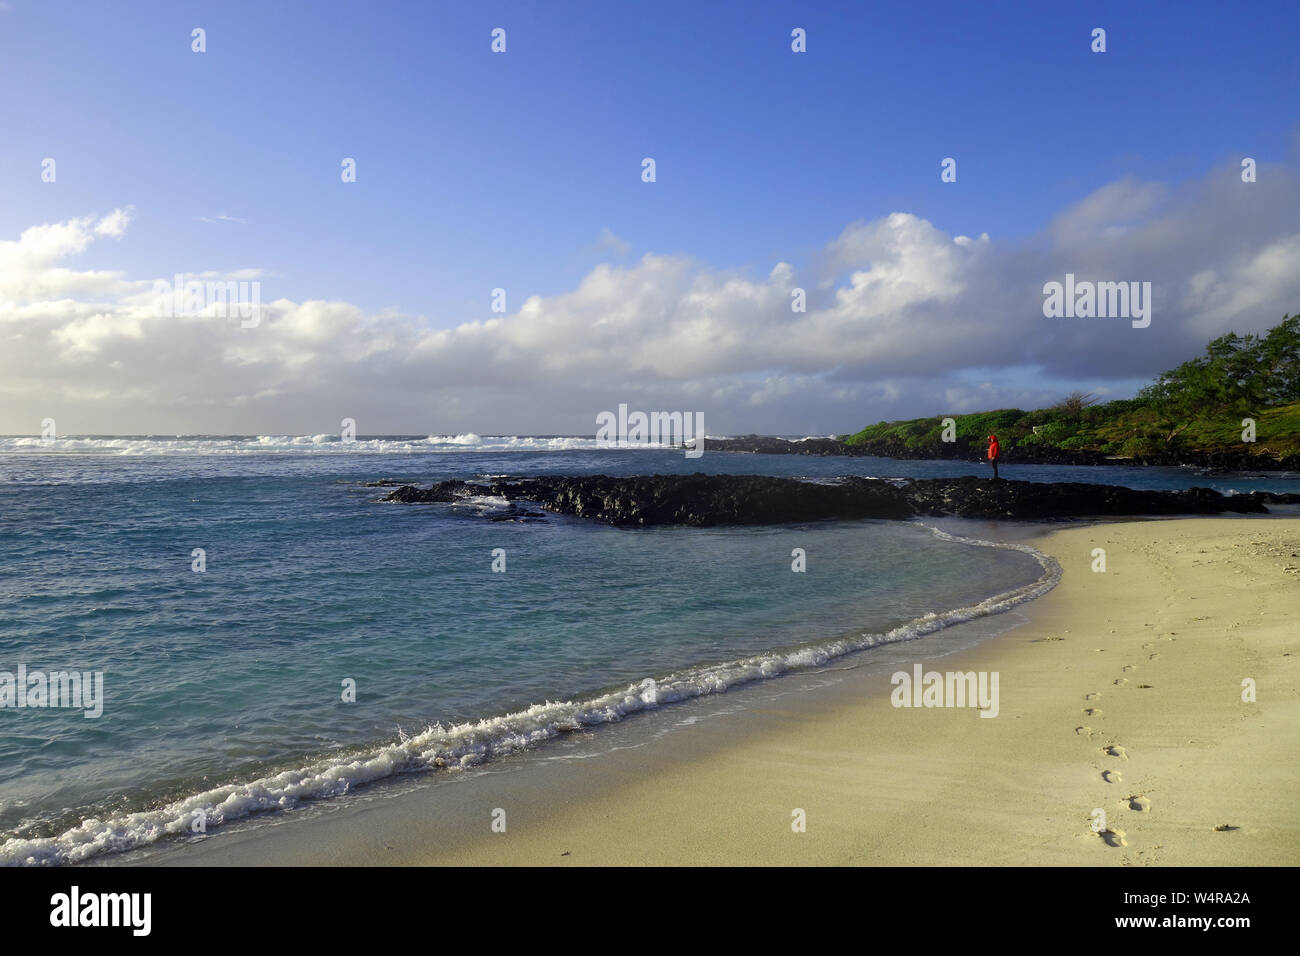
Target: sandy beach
(1121, 695)
(1124, 694)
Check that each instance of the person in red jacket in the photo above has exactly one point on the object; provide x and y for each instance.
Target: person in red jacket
(993, 455)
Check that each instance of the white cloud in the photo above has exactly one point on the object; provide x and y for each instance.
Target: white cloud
(918, 322)
(114, 224)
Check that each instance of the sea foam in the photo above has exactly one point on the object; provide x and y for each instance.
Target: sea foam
(323, 444)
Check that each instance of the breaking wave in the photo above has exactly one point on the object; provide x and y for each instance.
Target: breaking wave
(154, 445)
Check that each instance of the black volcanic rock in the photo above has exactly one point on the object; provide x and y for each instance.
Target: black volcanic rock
(694, 500)
(985, 498)
(1273, 497)
(442, 491)
(763, 445)
(702, 500)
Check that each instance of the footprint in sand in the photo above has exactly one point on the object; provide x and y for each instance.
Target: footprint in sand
(1152, 657)
(1083, 731)
(1129, 667)
(1119, 681)
(1115, 750)
(1093, 712)
(1139, 803)
(1113, 837)
(1092, 696)
(1112, 776)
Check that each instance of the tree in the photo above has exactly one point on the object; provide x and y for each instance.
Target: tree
(1279, 362)
(1071, 407)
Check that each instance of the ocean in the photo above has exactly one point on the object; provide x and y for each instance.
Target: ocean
(270, 634)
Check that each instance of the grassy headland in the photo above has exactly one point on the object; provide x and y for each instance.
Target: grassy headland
(1193, 413)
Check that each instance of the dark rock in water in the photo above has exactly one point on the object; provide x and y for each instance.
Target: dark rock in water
(985, 498)
(516, 514)
(407, 494)
(702, 500)
(694, 500)
(442, 491)
(384, 483)
(453, 491)
(1274, 497)
(763, 445)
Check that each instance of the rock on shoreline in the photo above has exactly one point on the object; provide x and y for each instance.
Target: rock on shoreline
(965, 450)
(701, 500)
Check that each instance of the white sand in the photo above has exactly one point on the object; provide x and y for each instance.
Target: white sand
(1156, 648)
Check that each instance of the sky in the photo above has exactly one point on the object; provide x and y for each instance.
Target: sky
(522, 170)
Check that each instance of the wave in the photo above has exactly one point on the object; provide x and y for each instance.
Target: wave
(462, 746)
(202, 445)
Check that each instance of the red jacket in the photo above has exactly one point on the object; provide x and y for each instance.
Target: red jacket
(993, 447)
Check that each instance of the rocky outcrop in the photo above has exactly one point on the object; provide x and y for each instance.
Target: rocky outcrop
(965, 450)
(985, 498)
(694, 500)
(702, 500)
(763, 445)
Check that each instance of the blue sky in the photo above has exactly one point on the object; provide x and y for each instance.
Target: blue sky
(478, 170)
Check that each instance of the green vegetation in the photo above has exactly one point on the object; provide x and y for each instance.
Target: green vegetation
(1197, 407)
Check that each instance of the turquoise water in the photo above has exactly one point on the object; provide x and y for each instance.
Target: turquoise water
(223, 688)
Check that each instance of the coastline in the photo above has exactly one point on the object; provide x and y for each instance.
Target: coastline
(1224, 459)
(1186, 609)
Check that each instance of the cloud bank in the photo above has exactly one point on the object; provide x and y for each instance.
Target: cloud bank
(901, 319)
